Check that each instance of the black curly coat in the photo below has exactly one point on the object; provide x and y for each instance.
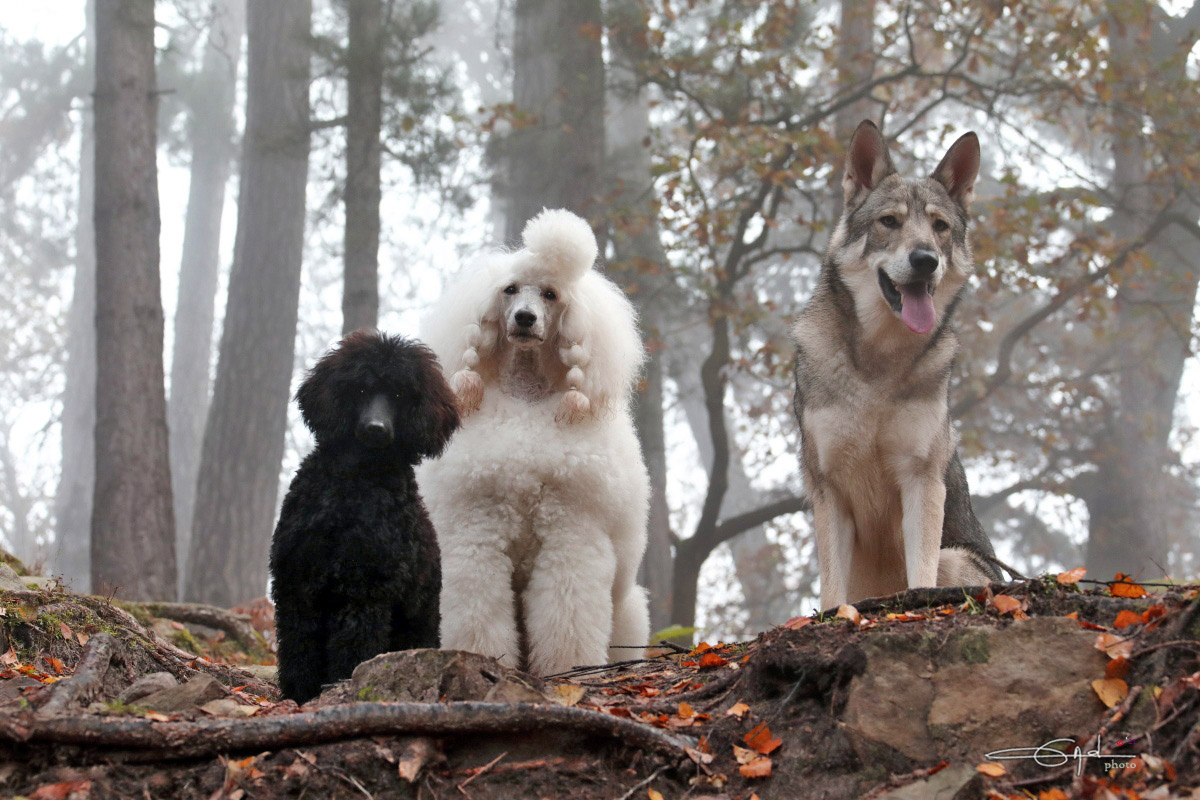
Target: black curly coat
(355, 566)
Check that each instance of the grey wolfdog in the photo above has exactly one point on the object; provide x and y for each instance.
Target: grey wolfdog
(875, 349)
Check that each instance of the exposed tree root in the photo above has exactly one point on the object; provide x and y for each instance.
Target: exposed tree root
(235, 626)
(88, 678)
(146, 740)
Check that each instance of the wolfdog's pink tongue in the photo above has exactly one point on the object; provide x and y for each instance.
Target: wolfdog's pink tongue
(916, 307)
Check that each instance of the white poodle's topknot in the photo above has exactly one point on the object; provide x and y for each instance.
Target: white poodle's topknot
(562, 242)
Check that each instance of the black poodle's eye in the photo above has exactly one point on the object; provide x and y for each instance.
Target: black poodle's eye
(941, 226)
(510, 289)
(889, 221)
(550, 295)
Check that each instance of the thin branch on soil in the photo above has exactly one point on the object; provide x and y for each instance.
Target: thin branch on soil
(88, 677)
(643, 784)
(716, 685)
(146, 740)
(236, 626)
(480, 770)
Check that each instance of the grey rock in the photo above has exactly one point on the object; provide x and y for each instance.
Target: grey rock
(10, 581)
(147, 685)
(429, 676)
(952, 783)
(981, 689)
(261, 672)
(196, 692)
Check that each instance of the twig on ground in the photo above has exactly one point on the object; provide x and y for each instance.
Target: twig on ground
(706, 691)
(480, 770)
(88, 677)
(642, 784)
(146, 740)
(236, 626)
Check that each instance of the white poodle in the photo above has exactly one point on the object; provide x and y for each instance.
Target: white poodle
(540, 499)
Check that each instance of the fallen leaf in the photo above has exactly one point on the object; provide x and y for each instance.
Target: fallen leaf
(1005, 604)
(1110, 690)
(796, 623)
(849, 612)
(1114, 646)
(417, 753)
(759, 739)
(1152, 613)
(568, 694)
(298, 769)
(1127, 618)
(81, 637)
(1072, 575)
(709, 660)
(1052, 794)
(9, 659)
(179, 626)
(1125, 587)
(703, 647)
(62, 791)
(1117, 668)
(653, 795)
(758, 768)
(697, 756)
(743, 755)
(56, 665)
(157, 717)
(65, 630)
(737, 710)
(685, 711)
(991, 769)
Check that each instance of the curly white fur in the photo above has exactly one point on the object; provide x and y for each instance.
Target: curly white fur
(541, 512)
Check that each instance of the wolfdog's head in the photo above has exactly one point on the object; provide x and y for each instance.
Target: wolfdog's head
(901, 245)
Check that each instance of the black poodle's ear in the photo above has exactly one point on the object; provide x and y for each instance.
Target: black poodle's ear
(318, 406)
(428, 426)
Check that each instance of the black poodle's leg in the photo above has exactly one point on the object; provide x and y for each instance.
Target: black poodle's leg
(415, 626)
(358, 632)
(301, 634)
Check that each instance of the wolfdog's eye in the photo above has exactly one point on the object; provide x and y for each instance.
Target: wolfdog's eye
(510, 289)
(888, 221)
(550, 295)
(940, 225)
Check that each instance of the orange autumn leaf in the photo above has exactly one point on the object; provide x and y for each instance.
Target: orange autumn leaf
(56, 665)
(1127, 618)
(1110, 690)
(653, 795)
(703, 647)
(1071, 575)
(685, 711)
(61, 791)
(759, 739)
(758, 768)
(849, 612)
(1152, 613)
(1052, 794)
(737, 710)
(1125, 587)
(991, 769)
(743, 755)
(1005, 604)
(1114, 646)
(1117, 668)
(709, 660)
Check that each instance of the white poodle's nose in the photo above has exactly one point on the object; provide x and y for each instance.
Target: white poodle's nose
(525, 318)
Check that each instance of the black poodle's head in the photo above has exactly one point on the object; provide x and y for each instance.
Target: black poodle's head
(385, 393)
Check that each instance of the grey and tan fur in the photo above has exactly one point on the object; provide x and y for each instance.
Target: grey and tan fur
(875, 349)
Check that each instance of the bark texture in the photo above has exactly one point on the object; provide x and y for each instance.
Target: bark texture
(212, 136)
(364, 118)
(556, 151)
(133, 535)
(73, 500)
(238, 486)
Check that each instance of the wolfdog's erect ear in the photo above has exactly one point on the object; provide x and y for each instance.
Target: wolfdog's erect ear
(867, 161)
(959, 168)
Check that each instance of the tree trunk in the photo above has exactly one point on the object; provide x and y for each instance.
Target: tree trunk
(640, 267)
(238, 486)
(73, 500)
(556, 161)
(212, 136)
(364, 87)
(856, 57)
(1129, 511)
(133, 535)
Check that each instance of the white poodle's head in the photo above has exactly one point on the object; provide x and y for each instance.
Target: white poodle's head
(546, 295)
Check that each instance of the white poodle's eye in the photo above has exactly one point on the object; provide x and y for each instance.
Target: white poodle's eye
(550, 295)
(510, 289)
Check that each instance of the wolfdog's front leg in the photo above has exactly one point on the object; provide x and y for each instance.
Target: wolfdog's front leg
(923, 504)
(835, 543)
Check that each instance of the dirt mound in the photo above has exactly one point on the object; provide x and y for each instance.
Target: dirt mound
(904, 697)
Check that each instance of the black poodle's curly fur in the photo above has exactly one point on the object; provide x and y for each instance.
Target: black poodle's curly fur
(354, 562)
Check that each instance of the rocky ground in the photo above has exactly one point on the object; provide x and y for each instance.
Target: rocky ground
(897, 698)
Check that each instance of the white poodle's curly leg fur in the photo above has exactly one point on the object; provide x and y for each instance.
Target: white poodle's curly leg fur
(477, 604)
(568, 602)
(631, 623)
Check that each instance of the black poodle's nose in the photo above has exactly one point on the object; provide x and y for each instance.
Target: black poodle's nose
(375, 425)
(525, 318)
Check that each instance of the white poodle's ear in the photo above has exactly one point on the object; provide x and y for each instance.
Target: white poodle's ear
(600, 345)
(562, 242)
(462, 329)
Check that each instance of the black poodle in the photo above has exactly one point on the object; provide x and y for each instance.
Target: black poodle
(354, 562)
